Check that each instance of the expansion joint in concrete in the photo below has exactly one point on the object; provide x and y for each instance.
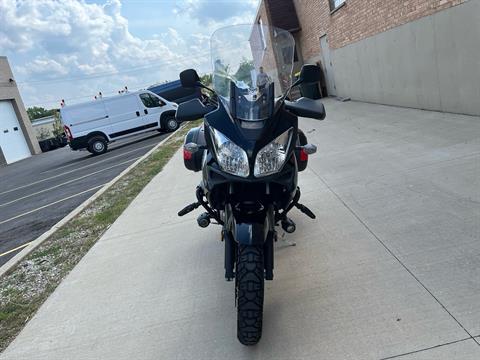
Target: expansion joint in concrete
(395, 256)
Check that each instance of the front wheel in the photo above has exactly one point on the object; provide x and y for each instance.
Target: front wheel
(250, 289)
(170, 124)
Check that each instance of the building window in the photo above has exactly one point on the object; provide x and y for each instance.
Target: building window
(262, 34)
(335, 4)
(287, 55)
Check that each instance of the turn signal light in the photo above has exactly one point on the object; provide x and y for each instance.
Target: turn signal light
(303, 155)
(187, 155)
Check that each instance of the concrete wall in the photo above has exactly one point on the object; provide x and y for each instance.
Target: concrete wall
(432, 63)
(44, 128)
(3, 161)
(9, 91)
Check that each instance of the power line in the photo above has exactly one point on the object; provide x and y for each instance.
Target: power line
(137, 86)
(113, 73)
(40, 102)
(82, 97)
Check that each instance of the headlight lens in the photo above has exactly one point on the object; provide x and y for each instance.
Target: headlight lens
(231, 157)
(271, 158)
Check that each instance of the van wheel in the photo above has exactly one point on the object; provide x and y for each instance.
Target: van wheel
(97, 145)
(170, 124)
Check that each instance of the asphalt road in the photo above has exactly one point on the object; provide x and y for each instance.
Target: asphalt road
(37, 192)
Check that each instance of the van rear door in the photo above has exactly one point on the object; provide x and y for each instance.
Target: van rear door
(85, 118)
(126, 115)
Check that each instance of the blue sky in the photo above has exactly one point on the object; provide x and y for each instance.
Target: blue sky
(72, 49)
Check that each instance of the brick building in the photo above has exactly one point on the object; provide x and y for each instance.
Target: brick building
(414, 53)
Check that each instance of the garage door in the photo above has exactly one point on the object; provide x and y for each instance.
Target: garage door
(12, 141)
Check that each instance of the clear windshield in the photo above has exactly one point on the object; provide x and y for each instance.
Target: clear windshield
(251, 65)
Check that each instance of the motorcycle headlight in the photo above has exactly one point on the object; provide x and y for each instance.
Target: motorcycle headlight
(270, 159)
(231, 157)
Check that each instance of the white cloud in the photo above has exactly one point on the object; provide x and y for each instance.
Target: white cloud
(74, 39)
(70, 48)
(39, 65)
(218, 12)
(96, 68)
(175, 36)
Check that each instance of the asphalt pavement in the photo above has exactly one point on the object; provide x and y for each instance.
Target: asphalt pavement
(37, 192)
(389, 269)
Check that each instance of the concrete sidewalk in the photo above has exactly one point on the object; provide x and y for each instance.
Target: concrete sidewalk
(391, 266)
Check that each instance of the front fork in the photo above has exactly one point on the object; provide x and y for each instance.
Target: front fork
(254, 234)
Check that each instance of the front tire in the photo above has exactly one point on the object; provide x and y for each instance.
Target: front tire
(250, 290)
(170, 124)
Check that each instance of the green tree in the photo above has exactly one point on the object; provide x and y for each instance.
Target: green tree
(57, 125)
(44, 134)
(222, 78)
(36, 112)
(206, 79)
(244, 72)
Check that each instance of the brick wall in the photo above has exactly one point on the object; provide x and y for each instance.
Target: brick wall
(269, 61)
(314, 19)
(262, 14)
(357, 20)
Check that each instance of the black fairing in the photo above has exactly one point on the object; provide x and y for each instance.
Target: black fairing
(222, 187)
(251, 140)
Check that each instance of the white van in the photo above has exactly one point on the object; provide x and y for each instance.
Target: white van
(94, 124)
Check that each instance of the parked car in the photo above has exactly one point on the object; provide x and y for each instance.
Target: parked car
(173, 91)
(92, 125)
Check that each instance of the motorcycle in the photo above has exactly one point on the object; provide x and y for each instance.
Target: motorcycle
(249, 150)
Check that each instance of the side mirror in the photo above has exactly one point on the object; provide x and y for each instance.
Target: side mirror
(305, 107)
(189, 78)
(310, 149)
(309, 74)
(192, 110)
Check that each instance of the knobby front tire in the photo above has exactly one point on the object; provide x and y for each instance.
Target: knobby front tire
(250, 290)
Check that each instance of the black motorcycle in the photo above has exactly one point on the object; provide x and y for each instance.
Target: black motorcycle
(250, 151)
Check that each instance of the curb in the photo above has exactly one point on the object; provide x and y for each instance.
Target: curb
(38, 241)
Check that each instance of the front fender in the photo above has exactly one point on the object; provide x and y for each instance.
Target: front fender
(249, 234)
(253, 233)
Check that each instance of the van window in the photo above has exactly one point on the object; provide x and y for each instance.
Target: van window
(151, 101)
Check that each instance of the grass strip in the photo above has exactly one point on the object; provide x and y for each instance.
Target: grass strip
(24, 289)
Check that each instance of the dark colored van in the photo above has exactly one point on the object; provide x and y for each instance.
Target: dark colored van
(173, 91)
